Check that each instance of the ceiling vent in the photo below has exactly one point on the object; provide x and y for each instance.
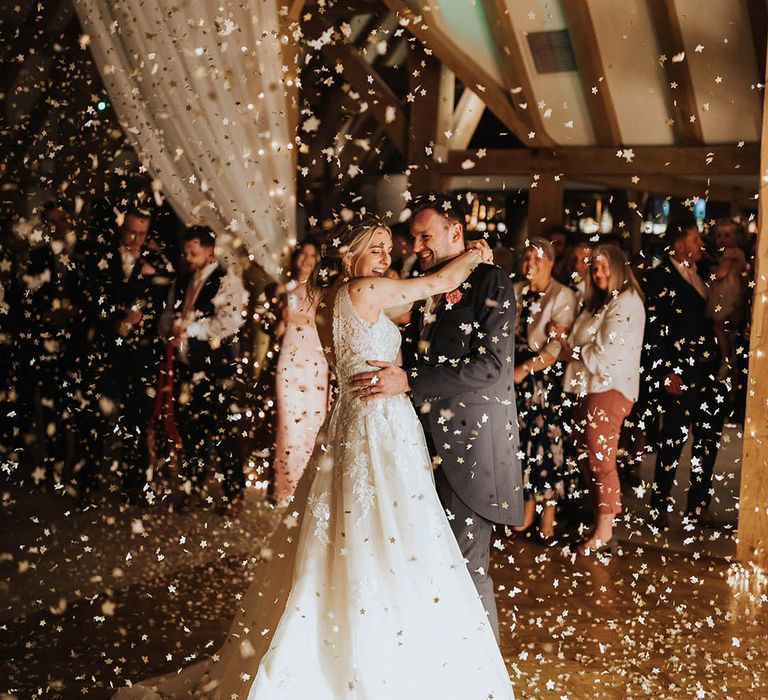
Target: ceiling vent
(552, 51)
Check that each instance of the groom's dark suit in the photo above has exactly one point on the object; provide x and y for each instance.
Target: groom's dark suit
(460, 370)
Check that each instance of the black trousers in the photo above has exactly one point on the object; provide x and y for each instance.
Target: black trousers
(130, 384)
(700, 412)
(207, 418)
(42, 403)
(473, 533)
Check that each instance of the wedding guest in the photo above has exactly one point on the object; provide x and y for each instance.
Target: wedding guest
(604, 373)
(210, 303)
(582, 251)
(726, 299)
(561, 240)
(684, 363)
(302, 378)
(134, 289)
(538, 376)
(49, 316)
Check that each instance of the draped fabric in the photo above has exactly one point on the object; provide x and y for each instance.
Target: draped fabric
(199, 88)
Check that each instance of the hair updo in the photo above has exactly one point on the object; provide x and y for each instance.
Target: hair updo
(340, 249)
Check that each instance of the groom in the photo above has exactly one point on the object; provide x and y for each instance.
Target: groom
(458, 362)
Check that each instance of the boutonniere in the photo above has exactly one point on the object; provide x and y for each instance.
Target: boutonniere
(453, 297)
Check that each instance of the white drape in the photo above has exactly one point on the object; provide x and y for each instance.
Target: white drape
(199, 89)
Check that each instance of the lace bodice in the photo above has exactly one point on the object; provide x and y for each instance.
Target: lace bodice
(356, 340)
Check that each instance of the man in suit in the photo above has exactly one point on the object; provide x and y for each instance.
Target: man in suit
(209, 308)
(49, 314)
(683, 359)
(135, 282)
(458, 362)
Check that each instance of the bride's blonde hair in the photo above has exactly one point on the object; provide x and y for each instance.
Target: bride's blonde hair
(340, 250)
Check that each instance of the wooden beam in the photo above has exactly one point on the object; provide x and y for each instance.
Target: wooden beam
(758, 23)
(585, 160)
(586, 48)
(466, 69)
(466, 117)
(680, 85)
(512, 66)
(545, 203)
(752, 546)
(382, 101)
(432, 87)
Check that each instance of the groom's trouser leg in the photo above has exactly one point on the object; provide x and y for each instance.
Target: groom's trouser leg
(473, 533)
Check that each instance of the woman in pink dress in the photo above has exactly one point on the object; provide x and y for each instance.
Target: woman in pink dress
(301, 384)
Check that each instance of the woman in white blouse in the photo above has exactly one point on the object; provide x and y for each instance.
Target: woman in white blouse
(541, 414)
(604, 373)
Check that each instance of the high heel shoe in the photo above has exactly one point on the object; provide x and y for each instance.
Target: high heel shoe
(611, 546)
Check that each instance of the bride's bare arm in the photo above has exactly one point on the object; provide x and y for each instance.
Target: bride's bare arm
(371, 295)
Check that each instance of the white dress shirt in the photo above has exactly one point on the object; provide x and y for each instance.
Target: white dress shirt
(229, 303)
(607, 347)
(689, 273)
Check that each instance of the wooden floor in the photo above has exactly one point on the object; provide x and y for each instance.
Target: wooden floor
(647, 623)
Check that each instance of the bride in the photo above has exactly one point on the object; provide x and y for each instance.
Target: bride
(363, 593)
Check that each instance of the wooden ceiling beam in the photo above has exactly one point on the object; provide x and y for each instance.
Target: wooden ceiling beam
(512, 66)
(466, 117)
(466, 69)
(588, 160)
(383, 103)
(586, 48)
(433, 87)
(666, 25)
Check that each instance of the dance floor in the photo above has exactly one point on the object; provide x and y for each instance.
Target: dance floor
(90, 599)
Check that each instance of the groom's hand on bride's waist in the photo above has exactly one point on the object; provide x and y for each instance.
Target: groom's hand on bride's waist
(388, 380)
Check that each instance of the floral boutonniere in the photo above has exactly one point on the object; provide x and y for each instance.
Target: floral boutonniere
(453, 297)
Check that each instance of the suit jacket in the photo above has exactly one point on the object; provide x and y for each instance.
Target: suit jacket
(678, 334)
(147, 292)
(50, 310)
(461, 378)
(215, 357)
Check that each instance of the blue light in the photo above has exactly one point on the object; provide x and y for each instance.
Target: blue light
(101, 106)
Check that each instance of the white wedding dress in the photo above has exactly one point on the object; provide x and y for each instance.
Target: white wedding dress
(365, 595)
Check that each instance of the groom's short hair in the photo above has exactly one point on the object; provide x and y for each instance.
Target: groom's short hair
(451, 206)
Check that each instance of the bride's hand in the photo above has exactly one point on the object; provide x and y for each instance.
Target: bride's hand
(484, 249)
(388, 380)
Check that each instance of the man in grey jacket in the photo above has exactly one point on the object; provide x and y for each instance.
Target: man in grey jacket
(458, 362)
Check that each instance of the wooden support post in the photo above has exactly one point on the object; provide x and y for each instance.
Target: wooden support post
(753, 495)
(432, 86)
(545, 204)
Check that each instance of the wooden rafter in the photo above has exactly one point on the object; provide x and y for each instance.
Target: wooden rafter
(466, 69)
(512, 68)
(666, 25)
(383, 103)
(586, 160)
(466, 117)
(432, 86)
(586, 48)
